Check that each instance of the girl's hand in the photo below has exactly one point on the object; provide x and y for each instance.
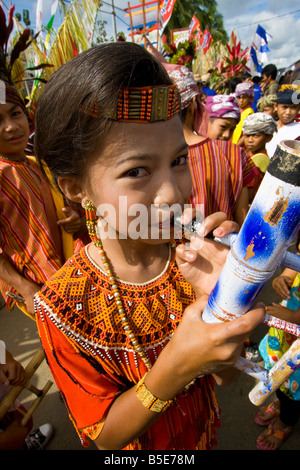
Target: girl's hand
(282, 286)
(199, 348)
(202, 260)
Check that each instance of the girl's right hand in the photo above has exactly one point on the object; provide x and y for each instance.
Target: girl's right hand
(282, 286)
(198, 348)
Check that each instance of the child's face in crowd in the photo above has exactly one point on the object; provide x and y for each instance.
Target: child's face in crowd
(146, 164)
(287, 112)
(270, 110)
(256, 143)
(14, 131)
(221, 129)
(244, 101)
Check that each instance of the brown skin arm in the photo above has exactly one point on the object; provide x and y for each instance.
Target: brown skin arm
(13, 437)
(196, 348)
(23, 286)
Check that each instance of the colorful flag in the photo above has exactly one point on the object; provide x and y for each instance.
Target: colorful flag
(166, 9)
(206, 40)
(260, 43)
(194, 24)
(50, 23)
(53, 11)
(259, 50)
(198, 38)
(39, 14)
(253, 63)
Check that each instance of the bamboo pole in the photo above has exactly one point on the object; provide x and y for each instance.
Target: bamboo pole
(130, 19)
(9, 399)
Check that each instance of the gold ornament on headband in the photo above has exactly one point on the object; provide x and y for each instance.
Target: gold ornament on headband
(147, 104)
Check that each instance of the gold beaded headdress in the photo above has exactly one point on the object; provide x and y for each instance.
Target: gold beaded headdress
(146, 104)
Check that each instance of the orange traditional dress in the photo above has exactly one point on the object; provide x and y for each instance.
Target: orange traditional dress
(220, 170)
(93, 362)
(29, 236)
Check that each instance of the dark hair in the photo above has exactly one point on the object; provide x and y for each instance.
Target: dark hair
(256, 79)
(233, 83)
(270, 70)
(65, 136)
(12, 95)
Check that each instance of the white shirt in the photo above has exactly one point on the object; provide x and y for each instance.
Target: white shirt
(289, 132)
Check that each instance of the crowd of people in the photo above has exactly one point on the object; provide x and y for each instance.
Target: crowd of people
(119, 317)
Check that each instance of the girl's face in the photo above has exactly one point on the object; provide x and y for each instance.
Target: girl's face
(139, 172)
(221, 129)
(14, 131)
(287, 112)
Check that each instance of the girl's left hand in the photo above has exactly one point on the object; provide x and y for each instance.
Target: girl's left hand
(202, 260)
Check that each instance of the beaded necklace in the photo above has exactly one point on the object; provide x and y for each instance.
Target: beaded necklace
(91, 222)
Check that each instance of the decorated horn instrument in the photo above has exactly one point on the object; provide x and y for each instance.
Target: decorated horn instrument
(272, 223)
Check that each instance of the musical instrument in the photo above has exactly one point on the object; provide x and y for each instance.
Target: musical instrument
(8, 401)
(272, 222)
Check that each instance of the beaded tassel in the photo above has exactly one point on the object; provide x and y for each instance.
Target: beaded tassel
(91, 222)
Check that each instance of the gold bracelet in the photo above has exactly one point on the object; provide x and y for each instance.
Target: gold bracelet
(150, 401)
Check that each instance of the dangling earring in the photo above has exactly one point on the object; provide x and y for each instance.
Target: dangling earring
(91, 222)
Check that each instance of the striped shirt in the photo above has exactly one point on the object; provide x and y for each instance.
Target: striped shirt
(220, 170)
(29, 236)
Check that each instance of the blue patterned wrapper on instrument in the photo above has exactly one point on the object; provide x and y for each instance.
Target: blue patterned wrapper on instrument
(269, 228)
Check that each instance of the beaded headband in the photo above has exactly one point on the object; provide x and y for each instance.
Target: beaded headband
(147, 104)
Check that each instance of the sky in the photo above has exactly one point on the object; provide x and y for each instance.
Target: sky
(281, 20)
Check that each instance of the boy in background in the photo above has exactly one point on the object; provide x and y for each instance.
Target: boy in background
(258, 130)
(244, 93)
(266, 105)
(287, 106)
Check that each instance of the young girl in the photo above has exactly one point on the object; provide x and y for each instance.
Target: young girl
(119, 323)
(33, 246)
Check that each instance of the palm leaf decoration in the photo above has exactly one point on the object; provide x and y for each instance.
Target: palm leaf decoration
(21, 42)
(73, 37)
(25, 60)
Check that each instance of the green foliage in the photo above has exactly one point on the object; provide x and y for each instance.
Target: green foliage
(205, 11)
(20, 44)
(183, 54)
(232, 65)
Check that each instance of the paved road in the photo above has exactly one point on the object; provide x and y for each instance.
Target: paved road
(238, 430)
